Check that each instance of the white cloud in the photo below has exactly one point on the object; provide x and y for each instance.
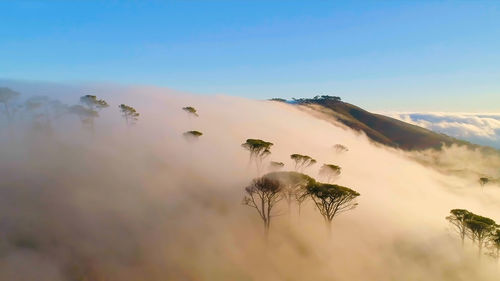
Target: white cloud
(475, 127)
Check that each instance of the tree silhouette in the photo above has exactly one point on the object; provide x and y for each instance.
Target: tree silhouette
(275, 166)
(192, 135)
(129, 113)
(458, 218)
(86, 115)
(262, 195)
(92, 102)
(339, 148)
(293, 186)
(483, 181)
(332, 200)
(329, 172)
(6, 97)
(191, 111)
(495, 243)
(258, 149)
(302, 161)
(480, 229)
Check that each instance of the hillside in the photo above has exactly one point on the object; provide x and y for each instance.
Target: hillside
(379, 128)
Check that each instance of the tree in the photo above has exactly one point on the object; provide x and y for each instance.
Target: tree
(129, 113)
(293, 185)
(339, 148)
(329, 172)
(93, 103)
(192, 135)
(275, 166)
(458, 218)
(6, 96)
(263, 194)
(258, 149)
(332, 200)
(483, 181)
(191, 111)
(480, 229)
(86, 115)
(302, 161)
(495, 244)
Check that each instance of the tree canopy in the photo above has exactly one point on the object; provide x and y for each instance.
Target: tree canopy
(302, 161)
(329, 172)
(93, 102)
(332, 199)
(129, 113)
(191, 110)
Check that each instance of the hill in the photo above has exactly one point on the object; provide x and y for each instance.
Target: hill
(379, 128)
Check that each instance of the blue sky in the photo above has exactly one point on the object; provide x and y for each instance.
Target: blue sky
(382, 55)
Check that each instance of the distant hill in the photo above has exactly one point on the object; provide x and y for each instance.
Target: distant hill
(381, 129)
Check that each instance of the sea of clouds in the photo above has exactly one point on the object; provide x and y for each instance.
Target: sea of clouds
(479, 128)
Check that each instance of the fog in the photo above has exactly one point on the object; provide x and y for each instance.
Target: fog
(140, 202)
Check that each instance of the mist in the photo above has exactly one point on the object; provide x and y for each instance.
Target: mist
(140, 202)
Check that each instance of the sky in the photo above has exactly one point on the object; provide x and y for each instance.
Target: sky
(382, 55)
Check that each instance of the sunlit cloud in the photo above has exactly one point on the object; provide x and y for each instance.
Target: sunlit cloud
(481, 128)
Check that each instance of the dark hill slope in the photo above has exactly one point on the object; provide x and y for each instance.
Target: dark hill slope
(380, 128)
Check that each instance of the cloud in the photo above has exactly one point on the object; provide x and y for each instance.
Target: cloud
(125, 203)
(474, 127)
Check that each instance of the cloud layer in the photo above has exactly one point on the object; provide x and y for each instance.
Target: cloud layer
(474, 127)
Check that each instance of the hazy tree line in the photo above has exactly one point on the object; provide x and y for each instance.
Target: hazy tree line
(482, 231)
(42, 110)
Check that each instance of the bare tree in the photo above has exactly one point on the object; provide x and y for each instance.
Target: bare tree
(263, 194)
(259, 150)
(458, 218)
(329, 172)
(302, 161)
(293, 185)
(129, 113)
(332, 200)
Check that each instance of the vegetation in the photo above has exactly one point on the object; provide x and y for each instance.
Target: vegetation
(458, 218)
(339, 148)
(483, 181)
(329, 172)
(258, 149)
(6, 97)
(191, 111)
(479, 229)
(332, 200)
(192, 135)
(274, 166)
(129, 113)
(263, 194)
(318, 98)
(495, 244)
(302, 161)
(293, 185)
(86, 115)
(92, 102)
